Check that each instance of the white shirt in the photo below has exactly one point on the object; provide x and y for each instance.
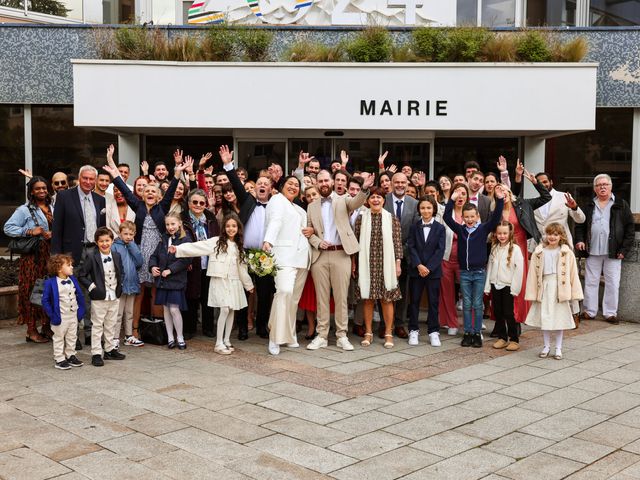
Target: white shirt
(395, 205)
(328, 220)
(86, 199)
(427, 231)
(550, 260)
(254, 230)
(473, 198)
(110, 281)
(67, 299)
(544, 209)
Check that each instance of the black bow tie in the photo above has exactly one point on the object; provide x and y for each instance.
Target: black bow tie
(261, 204)
(326, 199)
(66, 282)
(426, 225)
(107, 260)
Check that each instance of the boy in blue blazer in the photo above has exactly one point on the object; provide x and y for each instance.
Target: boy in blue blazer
(63, 302)
(425, 249)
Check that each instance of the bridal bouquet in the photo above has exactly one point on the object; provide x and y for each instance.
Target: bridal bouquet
(261, 263)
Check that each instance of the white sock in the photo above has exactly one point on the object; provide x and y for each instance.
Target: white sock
(222, 320)
(546, 336)
(228, 327)
(177, 321)
(168, 322)
(559, 335)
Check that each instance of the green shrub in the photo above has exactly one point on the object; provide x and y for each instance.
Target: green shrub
(255, 44)
(305, 51)
(219, 44)
(500, 48)
(373, 44)
(533, 46)
(136, 43)
(463, 44)
(426, 42)
(403, 54)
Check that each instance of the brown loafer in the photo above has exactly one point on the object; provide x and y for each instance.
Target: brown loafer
(612, 320)
(358, 330)
(36, 338)
(586, 316)
(400, 332)
(46, 332)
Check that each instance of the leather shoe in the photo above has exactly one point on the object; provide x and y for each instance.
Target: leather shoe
(381, 330)
(114, 355)
(96, 361)
(400, 332)
(358, 330)
(585, 316)
(262, 333)
(612, 320)
(78, 345)
(243, 334)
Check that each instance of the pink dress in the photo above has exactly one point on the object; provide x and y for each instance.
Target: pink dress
(521, 307)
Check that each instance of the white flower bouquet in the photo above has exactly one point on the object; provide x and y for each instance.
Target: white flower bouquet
(260, 262)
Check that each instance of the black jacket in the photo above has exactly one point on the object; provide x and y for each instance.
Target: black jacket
(194, 273)
(428, 254)
(68, 222)
(621, 228)
(524, 208)
(92, 271)
(246, 201)
(162, 259)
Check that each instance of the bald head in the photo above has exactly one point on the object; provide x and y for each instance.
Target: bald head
(399, 181)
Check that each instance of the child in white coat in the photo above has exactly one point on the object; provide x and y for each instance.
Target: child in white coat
(552, 284)
(228, 272)
(504, 282)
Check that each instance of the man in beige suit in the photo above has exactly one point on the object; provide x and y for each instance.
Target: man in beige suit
(333, 242)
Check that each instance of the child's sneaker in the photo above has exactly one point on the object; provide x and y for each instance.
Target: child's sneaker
(63, 365)
(467, 340)
(74, 362)
(477, 340)
(116, 344)
(413, 337)
(132, 341)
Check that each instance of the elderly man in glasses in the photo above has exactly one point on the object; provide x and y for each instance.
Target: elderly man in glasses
(605, 238)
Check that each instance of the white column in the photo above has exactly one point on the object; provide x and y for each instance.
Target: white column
(635, 163)
(534, 149)
(129, 152)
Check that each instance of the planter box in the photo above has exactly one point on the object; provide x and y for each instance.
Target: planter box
(8, 302)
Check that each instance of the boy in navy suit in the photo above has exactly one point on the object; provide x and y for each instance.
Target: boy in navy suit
(63, 302)
(101, 274)
(425, 246)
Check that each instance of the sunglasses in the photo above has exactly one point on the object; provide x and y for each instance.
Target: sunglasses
(61, 182)
(198, 203)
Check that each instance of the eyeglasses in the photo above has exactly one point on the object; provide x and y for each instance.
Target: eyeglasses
(198, 203)
(603, 185)
(61, 182)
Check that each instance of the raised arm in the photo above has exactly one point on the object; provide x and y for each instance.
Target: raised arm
(195, 249)
(227, 164)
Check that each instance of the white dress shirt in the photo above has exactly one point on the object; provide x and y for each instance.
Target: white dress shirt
(427, 231)
(110, 281)
(328, 221)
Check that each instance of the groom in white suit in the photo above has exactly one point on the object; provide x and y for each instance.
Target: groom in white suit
(558, 210)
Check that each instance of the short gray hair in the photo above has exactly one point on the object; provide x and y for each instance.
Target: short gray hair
(601, 176)
(90, 168)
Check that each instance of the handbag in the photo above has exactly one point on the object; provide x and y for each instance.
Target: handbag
(153, 331)
(36, 293)
(26, 245)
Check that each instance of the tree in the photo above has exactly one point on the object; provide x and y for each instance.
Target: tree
(50, 7)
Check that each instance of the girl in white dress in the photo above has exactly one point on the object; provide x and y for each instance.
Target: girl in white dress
(552, 284)
(228, 272)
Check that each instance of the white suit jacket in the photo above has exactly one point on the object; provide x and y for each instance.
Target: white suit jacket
(558, 213)
(284, 222)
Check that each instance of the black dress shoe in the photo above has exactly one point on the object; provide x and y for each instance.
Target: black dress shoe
(208, 333)
(78, 344)
(493, 334)
(114, 355)
(262, 333)
(96, 361)
(243, 334)
(171, 345)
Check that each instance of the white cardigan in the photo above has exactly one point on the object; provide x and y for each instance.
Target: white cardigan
(448, 233)
(498, 272)
(284, 222)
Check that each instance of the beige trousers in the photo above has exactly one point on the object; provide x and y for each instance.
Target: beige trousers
(64, 338)
(125, 315)
(331, 273)
(104, 316)
(282, 321)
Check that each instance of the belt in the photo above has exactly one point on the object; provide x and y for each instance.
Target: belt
(333, 248)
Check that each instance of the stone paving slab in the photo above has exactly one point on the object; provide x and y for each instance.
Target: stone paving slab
(411, 413)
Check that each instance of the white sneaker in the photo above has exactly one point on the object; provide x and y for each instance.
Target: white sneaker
(116, 344)
(294, 344)
(317, 343)
(413, 337)
(274, 348)
(344, 344)
(484, 327)
(434, 338)
(132, 341)
(459, 305)
(452, 331)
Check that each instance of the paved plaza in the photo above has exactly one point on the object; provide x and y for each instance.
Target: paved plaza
(412, 412)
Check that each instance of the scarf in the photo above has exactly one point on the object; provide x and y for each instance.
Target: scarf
(388, 253)
(200, 229)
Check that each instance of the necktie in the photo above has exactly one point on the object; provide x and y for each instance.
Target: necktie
(90, 225)
(259, 204)
(66, 282)
(426, 225)
(107, 260)
(398, 209)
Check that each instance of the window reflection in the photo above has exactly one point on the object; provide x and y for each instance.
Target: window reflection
(316, 147)
(551, 12)
(498, 13)
(467, 12)
(363, 154)
(414, 154)
(450, 154)
(605, 13)
(11, 159)
(254, 156)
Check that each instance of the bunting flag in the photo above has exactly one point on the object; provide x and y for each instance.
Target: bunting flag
(255, 7)
(206, 18)
(303, 3)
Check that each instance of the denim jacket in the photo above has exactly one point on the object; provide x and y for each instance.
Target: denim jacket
(21, 221)
(131, 262)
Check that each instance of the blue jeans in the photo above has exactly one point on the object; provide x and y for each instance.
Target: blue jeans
(472, 286)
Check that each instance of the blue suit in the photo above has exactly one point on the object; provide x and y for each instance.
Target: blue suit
(51, 299)
(430, 255)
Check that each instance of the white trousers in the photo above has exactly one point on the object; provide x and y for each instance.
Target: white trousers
(610, 267)
(282, 321)
(104, 315)
(125, 316)
(64, 338)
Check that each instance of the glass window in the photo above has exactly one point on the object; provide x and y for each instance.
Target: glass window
(60, 146)
(414, 154)
(163, 12)
(363, 154)
(452, 153)
(118, 11)
(254, 156)
(607, 13)
(467, 12)
(11, 159)
(316, 147)
(161, 148)
(573, 160)
(551, 12)
(498, 13)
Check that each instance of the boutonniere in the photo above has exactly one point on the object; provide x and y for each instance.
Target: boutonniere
(103, 211)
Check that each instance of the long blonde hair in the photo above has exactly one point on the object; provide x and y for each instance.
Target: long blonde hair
(559, 230)
(176, 216)
(495, 243)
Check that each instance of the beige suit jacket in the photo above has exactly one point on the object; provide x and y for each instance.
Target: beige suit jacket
(343, 206)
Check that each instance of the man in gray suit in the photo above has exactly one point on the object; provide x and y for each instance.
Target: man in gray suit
(405, 209)
(476, 185)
